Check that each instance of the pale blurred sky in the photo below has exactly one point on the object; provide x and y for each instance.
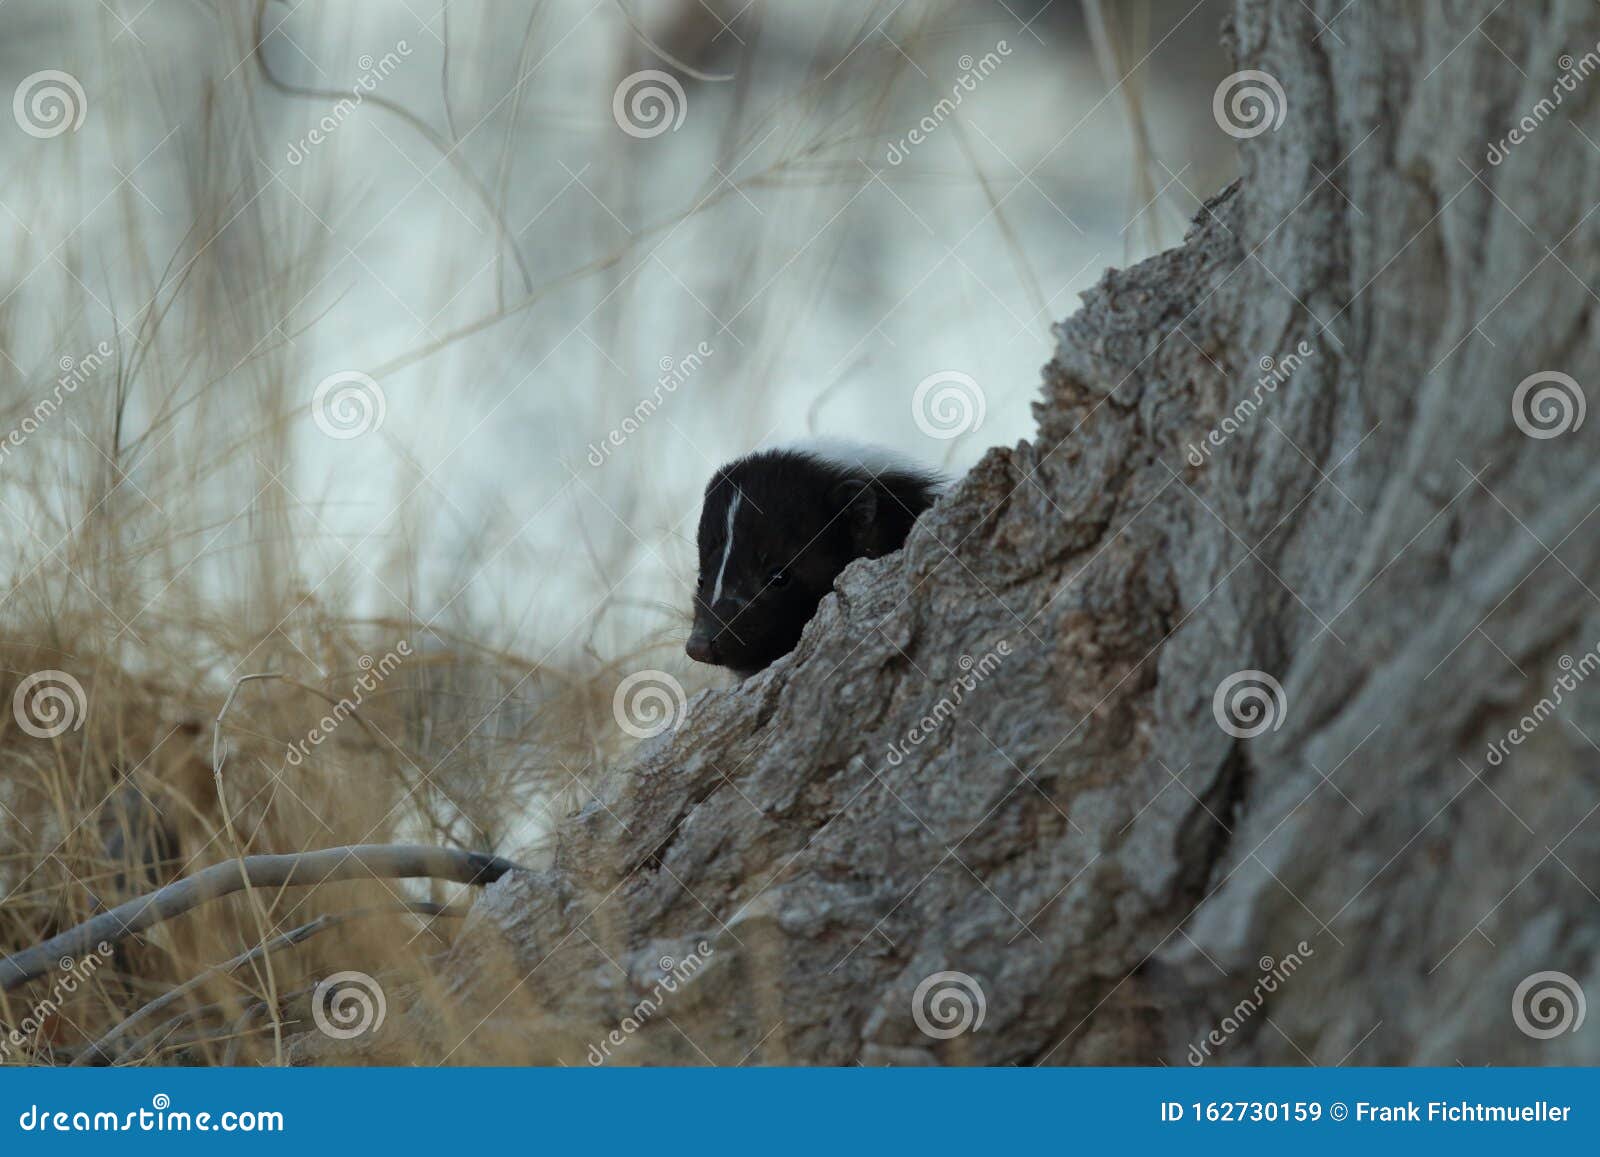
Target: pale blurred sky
(827, 281)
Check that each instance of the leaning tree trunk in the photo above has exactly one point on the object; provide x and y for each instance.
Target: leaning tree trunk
(1111, 819)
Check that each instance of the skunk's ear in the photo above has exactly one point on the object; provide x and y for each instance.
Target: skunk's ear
(858, 502)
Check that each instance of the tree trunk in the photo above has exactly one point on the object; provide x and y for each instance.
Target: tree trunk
(1018, 750)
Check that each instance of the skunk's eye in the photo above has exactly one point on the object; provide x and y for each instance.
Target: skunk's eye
(778, 578)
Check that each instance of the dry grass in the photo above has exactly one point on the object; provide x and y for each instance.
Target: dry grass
(156, 555)
(169, 535)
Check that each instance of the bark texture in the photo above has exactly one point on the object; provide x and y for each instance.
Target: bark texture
(1078, 834)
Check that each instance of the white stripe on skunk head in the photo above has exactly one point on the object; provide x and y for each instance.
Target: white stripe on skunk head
(776, 528)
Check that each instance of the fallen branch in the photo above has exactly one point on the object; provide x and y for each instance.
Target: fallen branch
(239, 1031)
(105, 1051)
(292, 870)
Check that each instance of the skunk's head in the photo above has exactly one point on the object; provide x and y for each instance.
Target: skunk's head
(776, 528)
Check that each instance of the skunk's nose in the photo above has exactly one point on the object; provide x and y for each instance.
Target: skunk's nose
(701, 647)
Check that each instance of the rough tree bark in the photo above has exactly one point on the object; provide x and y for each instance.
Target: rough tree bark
(1081, 837)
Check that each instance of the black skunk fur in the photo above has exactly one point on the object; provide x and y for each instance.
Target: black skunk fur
(777, 527)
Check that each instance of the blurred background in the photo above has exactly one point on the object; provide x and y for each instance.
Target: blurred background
(384, 350)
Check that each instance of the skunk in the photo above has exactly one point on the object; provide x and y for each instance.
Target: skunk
(776, 528)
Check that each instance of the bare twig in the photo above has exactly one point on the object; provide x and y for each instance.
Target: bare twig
(219, 755)
(681, 66)
(447, 149)
(240, 1031)
(295, 869)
